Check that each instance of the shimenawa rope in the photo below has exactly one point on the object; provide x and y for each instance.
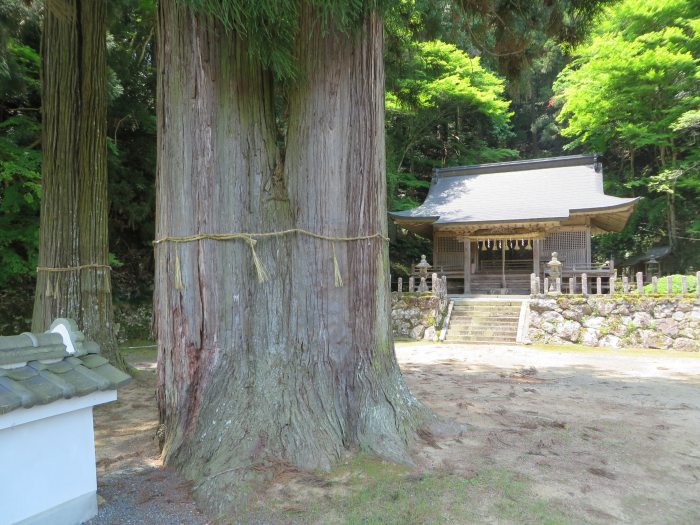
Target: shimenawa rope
(53, 291)
(249, 238)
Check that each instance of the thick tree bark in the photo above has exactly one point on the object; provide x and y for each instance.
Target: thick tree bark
(74, 205)
(335, 168)
(294, 369)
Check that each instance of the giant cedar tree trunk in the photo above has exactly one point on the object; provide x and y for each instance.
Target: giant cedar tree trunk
(74, 204)
(293, 369)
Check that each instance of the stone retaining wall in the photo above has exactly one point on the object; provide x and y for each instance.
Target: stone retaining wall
(417, 316)
(617, 322)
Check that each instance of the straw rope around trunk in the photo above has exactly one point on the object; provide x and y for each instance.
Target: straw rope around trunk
(250, 239)
(52, 291)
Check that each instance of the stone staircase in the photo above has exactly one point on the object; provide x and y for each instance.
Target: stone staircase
(484, 320)
(486, 282)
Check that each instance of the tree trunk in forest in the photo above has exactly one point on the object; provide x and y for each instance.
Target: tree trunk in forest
(294, 369)
(73, 279)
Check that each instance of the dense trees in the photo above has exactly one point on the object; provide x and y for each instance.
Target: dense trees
(20, 129)
(271, 119)
(130, 141)
(443, 108)
(633, 92)
(412, 26)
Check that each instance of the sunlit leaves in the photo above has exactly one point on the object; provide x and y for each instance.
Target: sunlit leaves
(633, 92)
(442, 107)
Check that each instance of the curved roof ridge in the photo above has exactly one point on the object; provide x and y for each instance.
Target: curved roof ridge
(589, 159)
(527, 191)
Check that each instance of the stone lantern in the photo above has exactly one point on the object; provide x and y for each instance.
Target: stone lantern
(423, 268)
(554, 267)
(652, 268)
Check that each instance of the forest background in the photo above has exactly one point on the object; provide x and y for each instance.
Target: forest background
(463, 86)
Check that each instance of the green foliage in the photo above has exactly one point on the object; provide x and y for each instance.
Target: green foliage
(443, 107)
(131, 144)
(20, 130)
(406, 249)
(633, 93)
(676, 284)
(627, 87)
(19, 206)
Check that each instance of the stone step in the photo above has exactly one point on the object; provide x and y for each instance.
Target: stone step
(484, 322)
(504, 329)
(488, 307)
(496, 313)
(484, 340)
(468, 326)
(485, 309)
(506, 336)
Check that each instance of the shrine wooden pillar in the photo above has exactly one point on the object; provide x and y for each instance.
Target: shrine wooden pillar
(467, 265)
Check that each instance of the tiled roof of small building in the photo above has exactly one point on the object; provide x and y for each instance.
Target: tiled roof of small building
(36, 369)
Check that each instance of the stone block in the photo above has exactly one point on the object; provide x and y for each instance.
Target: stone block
(667, 327)
(552, 317)
(690, 333)
(610, 341)
(548, 327)
(568, 330)
(543, 305)
(653, 339)
(589, 336)
(686, 345)
(417, 332)
(642, 319)
(663, 310)
(574, 314)
(604, 308)
(594, 322)
(621, 308)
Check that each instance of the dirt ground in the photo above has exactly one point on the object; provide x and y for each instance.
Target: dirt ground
(607, 437)
(593, 436)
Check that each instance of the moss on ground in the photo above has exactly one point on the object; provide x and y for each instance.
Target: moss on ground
(371, 491)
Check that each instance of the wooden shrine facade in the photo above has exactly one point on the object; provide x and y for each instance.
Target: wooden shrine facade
(493, 225)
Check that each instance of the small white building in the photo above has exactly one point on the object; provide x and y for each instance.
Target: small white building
(48, 385)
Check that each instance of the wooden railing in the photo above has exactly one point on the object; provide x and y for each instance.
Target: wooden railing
(605, 270)
(509, 265)
(593, 283)
(448, 270)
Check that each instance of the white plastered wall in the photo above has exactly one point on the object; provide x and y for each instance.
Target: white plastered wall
(47, 462)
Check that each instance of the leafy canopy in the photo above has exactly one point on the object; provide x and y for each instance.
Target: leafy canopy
(635, 78)
(443, 108)
(633, 92)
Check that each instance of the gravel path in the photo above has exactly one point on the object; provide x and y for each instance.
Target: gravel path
(148, 496)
